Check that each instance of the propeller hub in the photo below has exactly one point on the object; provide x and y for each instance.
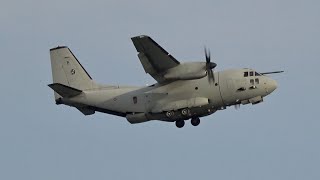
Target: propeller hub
(212, 65)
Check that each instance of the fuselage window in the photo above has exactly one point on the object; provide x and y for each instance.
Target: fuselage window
(135, 100)
(246, 74)
(257, 81)
(251, 73)
(251, 81)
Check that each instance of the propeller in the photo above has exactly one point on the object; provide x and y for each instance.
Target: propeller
(209, 66)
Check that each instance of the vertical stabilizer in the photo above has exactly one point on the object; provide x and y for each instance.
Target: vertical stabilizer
(67, 70)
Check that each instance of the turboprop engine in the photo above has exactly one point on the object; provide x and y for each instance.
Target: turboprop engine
(193, 70)
(187, 71)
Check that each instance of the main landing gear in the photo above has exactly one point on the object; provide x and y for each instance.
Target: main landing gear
(180, 123)
(194, 121)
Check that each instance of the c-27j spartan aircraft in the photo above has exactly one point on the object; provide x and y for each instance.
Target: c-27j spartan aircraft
(183, 90)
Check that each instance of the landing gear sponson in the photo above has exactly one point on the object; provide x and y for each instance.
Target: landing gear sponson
(195, 121)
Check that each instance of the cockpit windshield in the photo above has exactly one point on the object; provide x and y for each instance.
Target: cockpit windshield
(251, 73)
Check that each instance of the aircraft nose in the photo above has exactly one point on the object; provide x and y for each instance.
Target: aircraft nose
(272, 85)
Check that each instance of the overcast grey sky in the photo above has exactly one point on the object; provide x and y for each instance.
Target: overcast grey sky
(278, 139)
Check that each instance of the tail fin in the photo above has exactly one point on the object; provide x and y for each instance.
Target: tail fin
(67, 70)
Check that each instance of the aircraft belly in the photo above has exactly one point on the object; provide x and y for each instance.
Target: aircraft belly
(180, 104)
(119, 100)
(127, 103)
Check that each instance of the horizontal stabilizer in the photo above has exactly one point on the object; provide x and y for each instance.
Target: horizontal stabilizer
(85, 110)
(65, 91)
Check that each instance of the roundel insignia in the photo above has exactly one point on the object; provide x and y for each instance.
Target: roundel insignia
(73, 71)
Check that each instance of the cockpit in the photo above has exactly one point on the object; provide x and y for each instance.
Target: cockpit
(251, 73)
(253, 77)
(258, 81)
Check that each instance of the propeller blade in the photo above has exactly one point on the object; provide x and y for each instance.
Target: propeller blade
(207, 54)
(210, 76)
(209, 66)
(237, 106)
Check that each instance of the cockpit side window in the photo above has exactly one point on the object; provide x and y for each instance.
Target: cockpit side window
(257, 81)
(257, 74)
(245, 74)
(251, 73)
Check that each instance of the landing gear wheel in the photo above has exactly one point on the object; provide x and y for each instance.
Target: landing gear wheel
(185, 112)
(180, 123)
(169, 114)
(195, 121)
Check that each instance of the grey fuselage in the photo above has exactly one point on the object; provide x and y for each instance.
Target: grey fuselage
(140, 104)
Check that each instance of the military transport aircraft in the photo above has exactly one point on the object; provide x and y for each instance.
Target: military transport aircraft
(183, 90)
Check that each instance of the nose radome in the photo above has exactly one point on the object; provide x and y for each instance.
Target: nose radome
(273, 85)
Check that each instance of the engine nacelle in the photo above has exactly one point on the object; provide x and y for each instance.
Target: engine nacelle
(187, 71)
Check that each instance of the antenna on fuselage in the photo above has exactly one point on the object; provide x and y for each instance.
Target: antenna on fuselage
(273, 72)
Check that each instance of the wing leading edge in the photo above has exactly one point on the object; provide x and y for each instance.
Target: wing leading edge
(154, 59)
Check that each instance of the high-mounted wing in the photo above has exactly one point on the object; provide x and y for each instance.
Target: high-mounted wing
(154, 59)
